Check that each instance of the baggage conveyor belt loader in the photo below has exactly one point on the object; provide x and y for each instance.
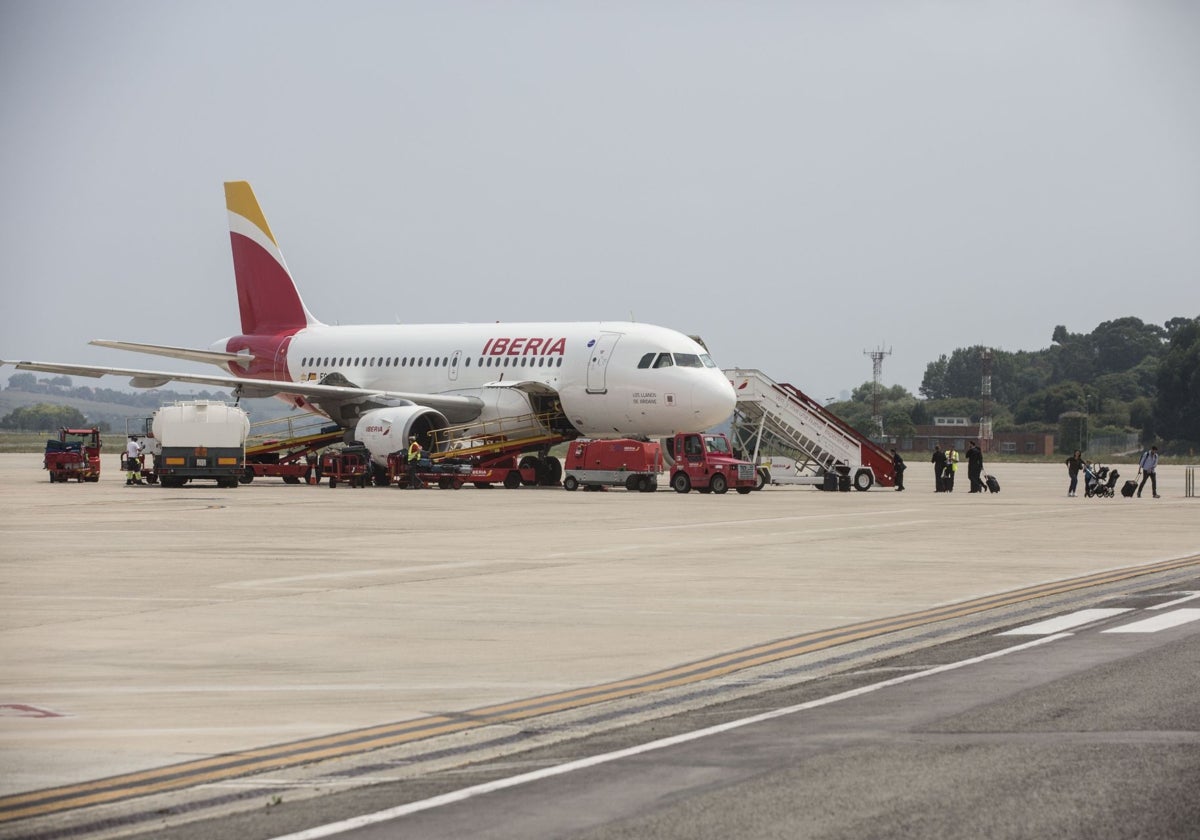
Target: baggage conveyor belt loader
(779, 416)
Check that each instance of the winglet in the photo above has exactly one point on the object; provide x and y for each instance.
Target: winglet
(268, 300)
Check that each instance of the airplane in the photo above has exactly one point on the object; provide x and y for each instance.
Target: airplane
(388, 382)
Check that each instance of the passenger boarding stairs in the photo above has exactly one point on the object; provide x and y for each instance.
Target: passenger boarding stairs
(784, 414)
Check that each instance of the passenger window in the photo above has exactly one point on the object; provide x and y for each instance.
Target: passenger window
(645, 361)
(664, 360)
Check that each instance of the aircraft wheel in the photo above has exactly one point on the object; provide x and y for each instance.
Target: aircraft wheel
(553, 471)
(571, 483)
(680, 482)
(719, 484)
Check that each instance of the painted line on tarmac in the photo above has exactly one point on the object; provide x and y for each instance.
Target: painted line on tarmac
(339, 745)
(463, 794)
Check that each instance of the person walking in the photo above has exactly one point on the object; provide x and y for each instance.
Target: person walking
(1074, 465)
(939, 468)
(133, 462)
(898, 469)
(975, 467)
(1148, 465)
(951, 469)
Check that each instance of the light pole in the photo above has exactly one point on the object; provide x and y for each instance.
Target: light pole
(1085, 431)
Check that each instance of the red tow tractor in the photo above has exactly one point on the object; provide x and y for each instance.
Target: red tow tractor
(706, 463)
(76, 454)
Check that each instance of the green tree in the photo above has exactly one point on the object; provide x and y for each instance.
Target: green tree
(1048, 404)
(933, 384)
(22, 382)
(1121, 344)
(1177, 404)
(43, 417)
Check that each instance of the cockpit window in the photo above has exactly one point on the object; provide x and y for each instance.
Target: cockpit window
(707, 360)
(645, 361)
(664, 360)
(688, 360)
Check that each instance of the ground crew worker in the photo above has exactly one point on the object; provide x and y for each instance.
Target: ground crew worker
(414, 458)
(951, 468)
(133, 464)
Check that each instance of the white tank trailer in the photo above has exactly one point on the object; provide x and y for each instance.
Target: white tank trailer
(200, 439)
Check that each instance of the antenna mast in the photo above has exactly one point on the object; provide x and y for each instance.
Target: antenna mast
(985, 391)
(877, 356)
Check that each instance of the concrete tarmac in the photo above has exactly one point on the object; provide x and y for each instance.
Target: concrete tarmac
(143, 627)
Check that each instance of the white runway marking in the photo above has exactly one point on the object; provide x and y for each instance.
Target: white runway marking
(1188, 596)
(1063, 622)
(1163, 621)
(562, 769)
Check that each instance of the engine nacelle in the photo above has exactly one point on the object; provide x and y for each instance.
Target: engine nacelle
(386, 430)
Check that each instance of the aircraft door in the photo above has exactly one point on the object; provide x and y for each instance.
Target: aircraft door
(453, 372)
(280, 363)
(598, 363)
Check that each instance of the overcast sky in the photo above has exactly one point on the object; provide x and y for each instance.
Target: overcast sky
(796, 182)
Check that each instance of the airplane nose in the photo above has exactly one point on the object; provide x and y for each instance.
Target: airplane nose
(713, 401)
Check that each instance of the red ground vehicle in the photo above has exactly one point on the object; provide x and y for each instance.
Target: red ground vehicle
(351, 466)
(446, 474)
(632, 464)
(706, 463)
(286, 454)
(76, 454)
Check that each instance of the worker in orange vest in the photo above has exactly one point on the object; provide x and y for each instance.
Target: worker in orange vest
(414, 458)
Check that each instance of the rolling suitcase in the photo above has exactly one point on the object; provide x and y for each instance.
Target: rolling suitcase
(993, 485)
(1129, 488)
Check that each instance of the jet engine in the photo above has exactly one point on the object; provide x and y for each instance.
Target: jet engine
(386, 430)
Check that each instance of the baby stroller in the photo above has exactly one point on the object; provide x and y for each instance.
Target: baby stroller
(1099, 481)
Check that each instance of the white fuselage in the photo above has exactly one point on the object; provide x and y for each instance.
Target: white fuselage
(611, 378)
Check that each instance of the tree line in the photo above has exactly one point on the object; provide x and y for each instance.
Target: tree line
(50, 416)
(1123, 376)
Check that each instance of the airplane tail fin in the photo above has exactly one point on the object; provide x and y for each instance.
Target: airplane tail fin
(267, 297)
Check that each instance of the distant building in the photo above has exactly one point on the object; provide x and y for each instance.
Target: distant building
(957, 431)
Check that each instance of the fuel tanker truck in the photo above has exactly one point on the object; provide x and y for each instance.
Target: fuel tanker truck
(200, 439)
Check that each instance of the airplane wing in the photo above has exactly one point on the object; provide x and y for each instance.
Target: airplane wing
(212, 357)
(457, 408)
